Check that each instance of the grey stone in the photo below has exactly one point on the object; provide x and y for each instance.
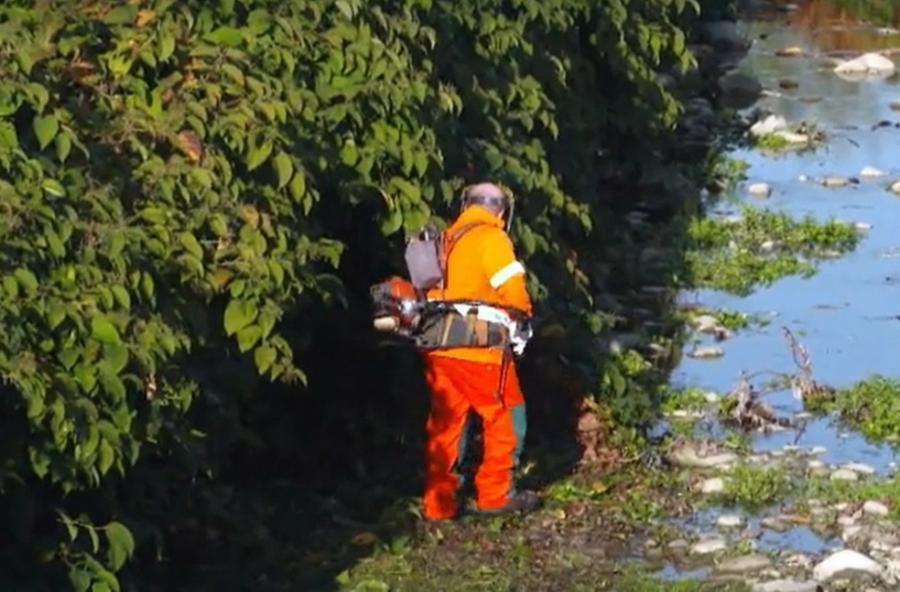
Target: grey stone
(729, 521)
(739, 90)
(710, 545)
(724, 36)
(706, 352)
(786, 586)
(744, 564)
(846, 564)
(760, 190)
(875, 508)
(713, 486)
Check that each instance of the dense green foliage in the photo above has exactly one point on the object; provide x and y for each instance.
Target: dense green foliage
(760, 247)
(180, 179)
(871, 406)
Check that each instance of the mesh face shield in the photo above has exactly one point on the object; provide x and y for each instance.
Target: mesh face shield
(500, 205)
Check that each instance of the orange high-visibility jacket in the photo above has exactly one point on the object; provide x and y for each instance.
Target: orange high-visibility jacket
(482, 266)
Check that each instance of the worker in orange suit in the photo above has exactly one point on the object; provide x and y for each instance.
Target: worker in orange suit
(480, 266)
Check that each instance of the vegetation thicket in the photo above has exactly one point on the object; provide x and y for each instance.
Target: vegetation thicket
(194, 198)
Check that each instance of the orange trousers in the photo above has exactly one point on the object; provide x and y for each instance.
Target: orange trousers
(459, 387)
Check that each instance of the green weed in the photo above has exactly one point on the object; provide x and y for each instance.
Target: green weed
(760, 248)
(871, 406)
(755, 487)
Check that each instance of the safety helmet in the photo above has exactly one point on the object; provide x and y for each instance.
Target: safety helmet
(495, 197)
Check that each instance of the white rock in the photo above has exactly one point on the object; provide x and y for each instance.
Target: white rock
(712, 486)
(860, 468)
(868, 64)
(803, 178)
(895, 188)
(846, 521)
(871, 172)
(729, 521)
(706, 352)
(760, 190)
(818, 450)
(835, 181)
(844, 564)
(786, 586)
(874, 508)
(850, 532)
(744, 564)
(768, 245)
(705, 323)
(769, 125)
(678, 544)
(844, 475)
(685, 414)
(706, 546)
(687, 456)
(863, 226)
(711, 397)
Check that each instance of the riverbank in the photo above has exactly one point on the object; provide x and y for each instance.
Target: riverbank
(794, 501)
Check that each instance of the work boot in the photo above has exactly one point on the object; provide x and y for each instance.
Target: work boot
(519, 502)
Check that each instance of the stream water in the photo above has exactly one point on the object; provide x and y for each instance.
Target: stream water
(848, 314)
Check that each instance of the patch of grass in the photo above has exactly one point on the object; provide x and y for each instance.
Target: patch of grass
(635, 580)
(755, 487)
(886, 491)
(777, 143)
(726, 173)
(730, 319)
(690, 399)
(760, 248)
(871, 406)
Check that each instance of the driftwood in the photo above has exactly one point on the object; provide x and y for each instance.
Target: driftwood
(750, 412)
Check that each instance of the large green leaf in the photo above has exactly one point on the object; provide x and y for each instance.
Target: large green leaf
(104, 331)
(239, 314)
(45, 129)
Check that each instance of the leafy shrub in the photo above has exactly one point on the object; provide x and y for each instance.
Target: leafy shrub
(176, 178)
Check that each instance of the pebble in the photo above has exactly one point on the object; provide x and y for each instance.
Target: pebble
(844, 475)
(860, 468)
(714, 485)
(871, 172)
(844, 564)
(874, 508)
(705, 323)
(788, 84)
(744, 563)
(846, 521)
(767, 246)
(866, 64)
(760, 190)
(803, 178)
(706, 352)
(818, 450)
(711, 397)
(835, 181)
(789, 52)
(678, 544)
(776, 523)
(786, 586)
(895, 188)
(706, 546)
(729, 521)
